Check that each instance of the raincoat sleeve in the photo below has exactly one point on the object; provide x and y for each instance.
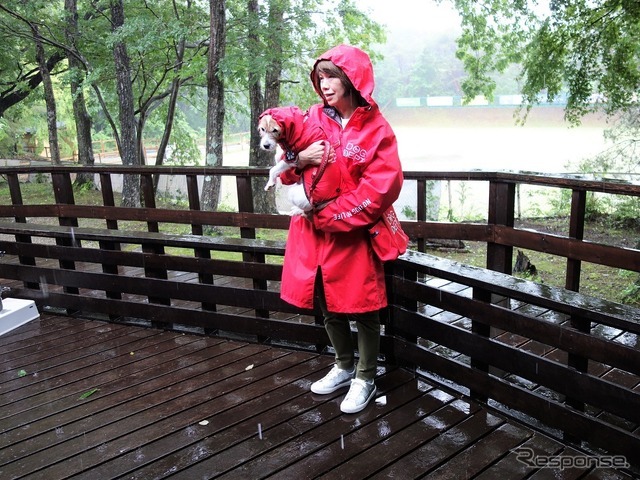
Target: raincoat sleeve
(378, 186)
(290, 176)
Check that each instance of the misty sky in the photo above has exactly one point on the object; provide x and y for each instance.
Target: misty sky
(420, 16)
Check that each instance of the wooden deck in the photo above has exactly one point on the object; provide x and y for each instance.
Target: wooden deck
(89, 399)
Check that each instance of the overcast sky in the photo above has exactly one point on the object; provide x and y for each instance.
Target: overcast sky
(425, 16)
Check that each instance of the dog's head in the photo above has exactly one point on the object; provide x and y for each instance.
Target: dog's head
(270, 132)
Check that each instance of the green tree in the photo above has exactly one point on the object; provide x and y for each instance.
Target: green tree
(588, 50)
(135, 61)
(49, 95)
(19, 73)
(436, 70)
(159, 45)
(20, 20)
(271, 46)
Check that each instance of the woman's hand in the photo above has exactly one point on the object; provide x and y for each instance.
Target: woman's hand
(312, 155)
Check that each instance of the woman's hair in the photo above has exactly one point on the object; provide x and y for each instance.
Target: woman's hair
(327, 67)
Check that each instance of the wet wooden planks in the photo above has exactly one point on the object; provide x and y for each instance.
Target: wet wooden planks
(89, 399)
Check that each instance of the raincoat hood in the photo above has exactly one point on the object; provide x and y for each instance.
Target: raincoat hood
(356, 65)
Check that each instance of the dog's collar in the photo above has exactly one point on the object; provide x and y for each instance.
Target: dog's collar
(289, 156)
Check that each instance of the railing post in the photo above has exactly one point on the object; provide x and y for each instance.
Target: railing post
(16, 199)
(484, 330)
(63, 192)
(148, 194)
(502, 199)
(394, 298)
(421, 209)
(501, 212)
(580, 364)
(245, 204)
(572, 282)
(108, 200)
(576, 230)
(197, 229)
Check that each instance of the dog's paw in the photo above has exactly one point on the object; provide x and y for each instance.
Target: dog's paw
(295, 211)
(272, 182)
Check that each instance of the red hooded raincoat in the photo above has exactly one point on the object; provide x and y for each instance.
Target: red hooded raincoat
(337, 242)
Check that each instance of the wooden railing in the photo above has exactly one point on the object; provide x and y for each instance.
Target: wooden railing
(497, 232)
(549, 354)
(568, 362)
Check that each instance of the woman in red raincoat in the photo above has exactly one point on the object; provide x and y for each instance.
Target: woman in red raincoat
(329, 255)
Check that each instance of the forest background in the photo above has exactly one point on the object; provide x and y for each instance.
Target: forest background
(183, 71)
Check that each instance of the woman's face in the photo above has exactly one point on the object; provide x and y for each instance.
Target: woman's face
(334, 92)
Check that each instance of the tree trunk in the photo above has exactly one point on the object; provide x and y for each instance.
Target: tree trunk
(140, 148)
(127, 143)
(171, 110)
(215, 103)
(264, 202)
(80, 114)
(257, 157)
(49, 98)
(173, 101)
(274, 45)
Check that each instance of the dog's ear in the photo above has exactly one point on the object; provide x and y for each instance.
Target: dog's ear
(263, 122)
(269, 126)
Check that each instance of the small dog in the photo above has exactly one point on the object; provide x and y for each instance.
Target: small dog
(271, 135)
(288, 128)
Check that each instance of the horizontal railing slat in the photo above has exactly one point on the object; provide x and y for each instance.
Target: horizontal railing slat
(585, 427)
(565, 301)
(151, 238)
(168, 289)
(138, 259)
(617, 257)
(539, 370)
(555, 335)
(233, 323)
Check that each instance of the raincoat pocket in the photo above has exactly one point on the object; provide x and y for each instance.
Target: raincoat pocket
(387, 237)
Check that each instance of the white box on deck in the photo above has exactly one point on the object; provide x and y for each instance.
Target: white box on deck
(16, 312)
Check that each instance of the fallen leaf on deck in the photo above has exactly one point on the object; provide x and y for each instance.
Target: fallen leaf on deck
(88, 394)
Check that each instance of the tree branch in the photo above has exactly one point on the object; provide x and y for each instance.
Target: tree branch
(12, 95)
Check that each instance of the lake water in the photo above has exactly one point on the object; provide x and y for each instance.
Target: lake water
(478, 139)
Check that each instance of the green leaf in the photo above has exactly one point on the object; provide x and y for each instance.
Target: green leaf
(88, 394)
(22, 373)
